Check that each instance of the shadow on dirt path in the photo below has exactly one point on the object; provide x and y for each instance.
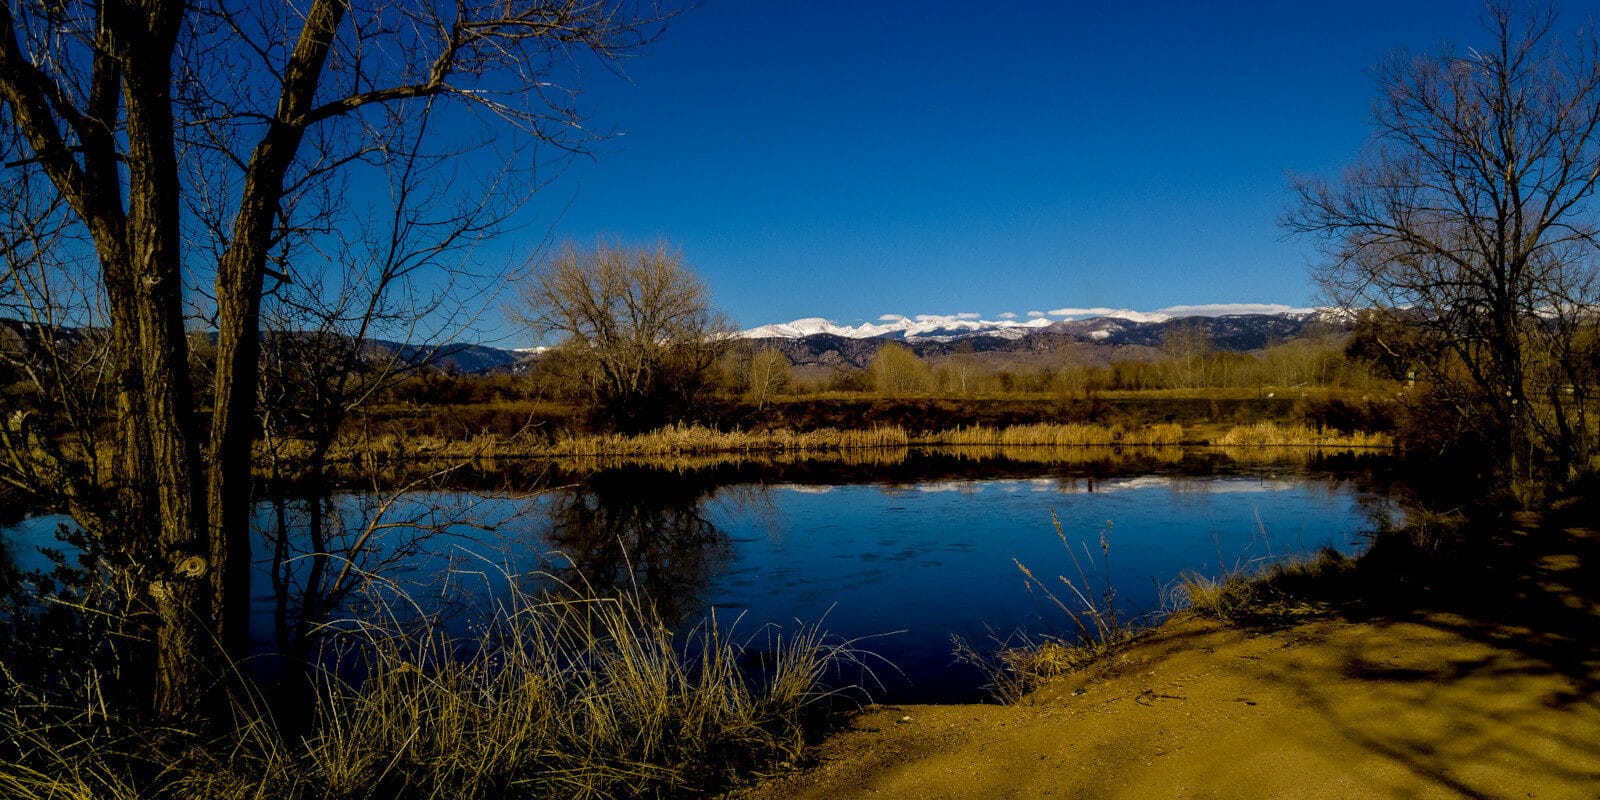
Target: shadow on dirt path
(1488, 690)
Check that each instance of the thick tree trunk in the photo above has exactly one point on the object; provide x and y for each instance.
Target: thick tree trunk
(143, 36)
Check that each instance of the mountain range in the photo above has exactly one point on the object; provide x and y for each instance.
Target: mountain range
(816, 342)
(1101, 339)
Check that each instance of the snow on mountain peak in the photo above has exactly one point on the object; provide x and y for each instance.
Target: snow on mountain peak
(949, 326)
(1174, 312)
(922, 326)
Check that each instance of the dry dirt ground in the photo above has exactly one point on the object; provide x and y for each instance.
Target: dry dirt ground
(1431, 705)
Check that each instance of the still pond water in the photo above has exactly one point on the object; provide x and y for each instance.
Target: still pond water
(903, 566)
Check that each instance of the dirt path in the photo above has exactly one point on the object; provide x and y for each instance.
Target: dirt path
(1435, 706)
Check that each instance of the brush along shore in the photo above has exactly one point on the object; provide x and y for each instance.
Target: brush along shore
(686, 440)
(548, 696)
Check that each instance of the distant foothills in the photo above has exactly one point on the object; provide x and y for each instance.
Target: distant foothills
(1118, 335)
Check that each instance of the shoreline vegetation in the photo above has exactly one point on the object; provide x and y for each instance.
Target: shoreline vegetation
(678, 441)
(571, 695)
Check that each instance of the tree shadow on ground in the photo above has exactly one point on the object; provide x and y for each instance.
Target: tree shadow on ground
(1487, 665)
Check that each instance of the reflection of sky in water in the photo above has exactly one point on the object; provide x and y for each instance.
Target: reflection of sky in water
(927, 560)
(936, 559)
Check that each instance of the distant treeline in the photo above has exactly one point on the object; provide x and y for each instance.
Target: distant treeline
(764, 375)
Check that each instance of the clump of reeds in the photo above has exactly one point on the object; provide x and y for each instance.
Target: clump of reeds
(565, 696)
(580, 696)
(1041, 434)
(1099, 630)
(1161, 435)
(1272, 434)
(1051, 435)
(1269, 589)
(688, 439)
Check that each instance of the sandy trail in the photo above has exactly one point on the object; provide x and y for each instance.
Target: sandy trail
(1437, 705)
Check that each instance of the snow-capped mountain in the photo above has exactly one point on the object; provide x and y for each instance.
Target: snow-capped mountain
(1084, 323)
(924, 326)
(1094, 339)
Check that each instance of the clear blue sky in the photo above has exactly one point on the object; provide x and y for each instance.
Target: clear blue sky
(851, 159)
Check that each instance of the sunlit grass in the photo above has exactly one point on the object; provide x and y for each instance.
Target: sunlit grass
(1068, 435)
(1269, 589)
(1100, 629)
(691, 446)
(1271, 434)
(679, 440)
(571, 696)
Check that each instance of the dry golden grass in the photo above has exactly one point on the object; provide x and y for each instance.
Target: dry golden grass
(1038, 454)
(1163, 435)
(1046, 435)
(573, 697)
(1270, 434)
(686, 446)
(1259, 591)
(688, 462)
(1088, 601)
(680, 440)
(692, 446)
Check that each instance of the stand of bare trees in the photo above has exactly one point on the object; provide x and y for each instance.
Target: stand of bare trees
(633, 330)
(897, 372)
(1472, 224)
(181, 164)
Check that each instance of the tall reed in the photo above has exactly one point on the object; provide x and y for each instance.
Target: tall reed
(1099, 629)
(565, 696)
(1271, 434)
(1052, 435)
(682, 440)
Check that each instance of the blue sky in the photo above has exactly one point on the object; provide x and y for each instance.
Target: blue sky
(853, 159)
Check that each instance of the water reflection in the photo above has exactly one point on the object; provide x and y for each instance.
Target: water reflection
(320, 557)
(634, 528)
(10, 574)
(457, 552)
(925, 544)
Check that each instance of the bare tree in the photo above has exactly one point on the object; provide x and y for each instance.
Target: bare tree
(322, 365)
(116, 102)
(961, 371)
(896, 371)
(1474, 213)
(635, 323)
(767, 374)
(1185, 346)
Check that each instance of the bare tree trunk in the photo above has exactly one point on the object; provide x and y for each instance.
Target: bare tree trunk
(239, 285)
(144, 37)
(88, 89)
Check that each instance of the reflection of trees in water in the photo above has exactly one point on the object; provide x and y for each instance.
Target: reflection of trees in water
(324, 551)
(620, 529)
(325, 556)
(10, 575)
(644, 529)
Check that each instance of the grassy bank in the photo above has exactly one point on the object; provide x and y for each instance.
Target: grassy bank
(1275, 590)
(1056, 441)
(571, 697)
